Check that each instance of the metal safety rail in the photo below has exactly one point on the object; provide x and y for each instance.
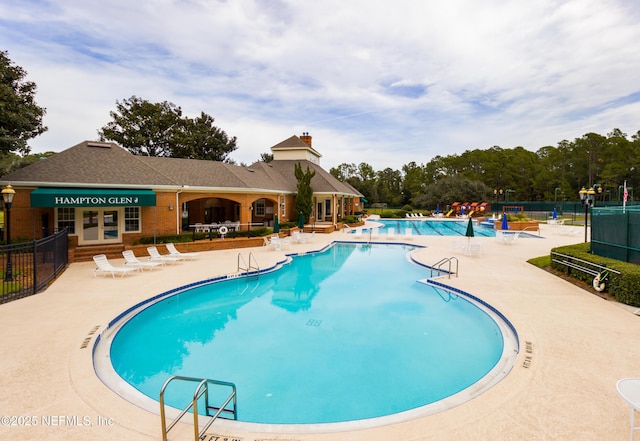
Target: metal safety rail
(570, 262)
(245, 267)
(201, 389)
(440, 263)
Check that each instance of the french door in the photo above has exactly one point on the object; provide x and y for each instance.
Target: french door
(100, 225)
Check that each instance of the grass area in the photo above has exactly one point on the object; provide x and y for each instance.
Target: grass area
(541, 262)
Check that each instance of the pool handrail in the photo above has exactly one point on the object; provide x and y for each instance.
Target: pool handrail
(202, 389)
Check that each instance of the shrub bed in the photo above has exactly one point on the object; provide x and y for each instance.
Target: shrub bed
(625, 287)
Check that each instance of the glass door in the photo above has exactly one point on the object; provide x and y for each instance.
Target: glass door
(100, 225)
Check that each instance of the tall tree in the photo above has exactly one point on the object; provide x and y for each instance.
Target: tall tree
(158, 129)
(20, 116)
(200, 139)
(144, 128)
(304, 198)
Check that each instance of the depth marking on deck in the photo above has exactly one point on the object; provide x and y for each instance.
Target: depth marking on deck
(87, 340)
(528, 359)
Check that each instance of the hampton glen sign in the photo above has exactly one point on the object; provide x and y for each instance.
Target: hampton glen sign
(84, 197)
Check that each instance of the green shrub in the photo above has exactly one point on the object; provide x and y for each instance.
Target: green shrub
(349, 219)
(407, 208)
(625, 287)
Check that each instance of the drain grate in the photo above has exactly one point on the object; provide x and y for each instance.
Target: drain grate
(312, 322)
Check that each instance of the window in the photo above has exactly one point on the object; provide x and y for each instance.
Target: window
(67, 219)
(259, 208)
(131, 219)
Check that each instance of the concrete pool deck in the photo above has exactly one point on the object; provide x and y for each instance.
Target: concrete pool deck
(574, 348)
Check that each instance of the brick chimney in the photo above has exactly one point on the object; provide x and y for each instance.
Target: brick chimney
(306, 138)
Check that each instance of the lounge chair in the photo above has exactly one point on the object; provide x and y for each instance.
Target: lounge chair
(174, 252)
(103, 266)
(132, 261)
(155, 256)
(391, 233)
(408, 233)
(375, 232)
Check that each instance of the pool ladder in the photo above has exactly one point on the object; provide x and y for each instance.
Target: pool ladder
(441, 263)
(201, 389)
(247, 268)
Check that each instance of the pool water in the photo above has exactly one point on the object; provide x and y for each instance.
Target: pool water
(346, 334)
(434, 227)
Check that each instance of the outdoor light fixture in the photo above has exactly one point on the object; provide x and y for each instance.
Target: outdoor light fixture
(587, 197)
(497, 192)
(7, 194)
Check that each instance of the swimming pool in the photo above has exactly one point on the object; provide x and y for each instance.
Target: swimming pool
(346, 334)
(434, 227)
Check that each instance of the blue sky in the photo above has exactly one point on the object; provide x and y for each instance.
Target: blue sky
(371, 81)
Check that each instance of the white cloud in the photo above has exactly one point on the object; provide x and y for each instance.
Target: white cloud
(372, 82)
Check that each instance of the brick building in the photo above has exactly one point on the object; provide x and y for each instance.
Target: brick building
(105, 195)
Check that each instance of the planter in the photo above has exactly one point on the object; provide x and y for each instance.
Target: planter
(520, 225)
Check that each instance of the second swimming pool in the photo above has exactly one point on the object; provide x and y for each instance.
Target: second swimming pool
(346, 334)
(434, 227)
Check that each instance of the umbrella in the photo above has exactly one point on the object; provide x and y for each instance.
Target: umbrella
(469, 233)
(505, 223)
(276, 224)
(555, 214)
(301, 221)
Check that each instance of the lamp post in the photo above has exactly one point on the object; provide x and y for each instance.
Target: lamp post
(587, 197)
(7, 194)
(555, 197)
(497, 192)
(250, 220)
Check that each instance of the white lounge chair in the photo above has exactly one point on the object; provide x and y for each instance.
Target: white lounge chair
(132, 261)
(174, 252)
(103, 266)
(408, 233)
(375, 232)
(155, 256)
(391, 233)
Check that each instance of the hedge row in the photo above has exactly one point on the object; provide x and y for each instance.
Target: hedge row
(625, 287)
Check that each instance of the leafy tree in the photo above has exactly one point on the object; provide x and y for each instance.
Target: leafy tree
(11, 162)
(20, 116)
(451, 189)
(158, 129)
(266, 157)
(144, 128)
(200, 139)
(304, 198)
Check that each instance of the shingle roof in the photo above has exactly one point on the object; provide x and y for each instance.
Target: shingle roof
(109, 165)
(294, 143)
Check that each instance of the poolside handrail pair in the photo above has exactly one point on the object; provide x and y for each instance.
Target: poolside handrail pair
(201, 389)
(440, 263)
(248, 267)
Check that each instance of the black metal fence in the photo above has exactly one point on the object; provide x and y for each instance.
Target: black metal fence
(28, 267)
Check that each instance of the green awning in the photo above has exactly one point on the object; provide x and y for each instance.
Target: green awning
(91, 197)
